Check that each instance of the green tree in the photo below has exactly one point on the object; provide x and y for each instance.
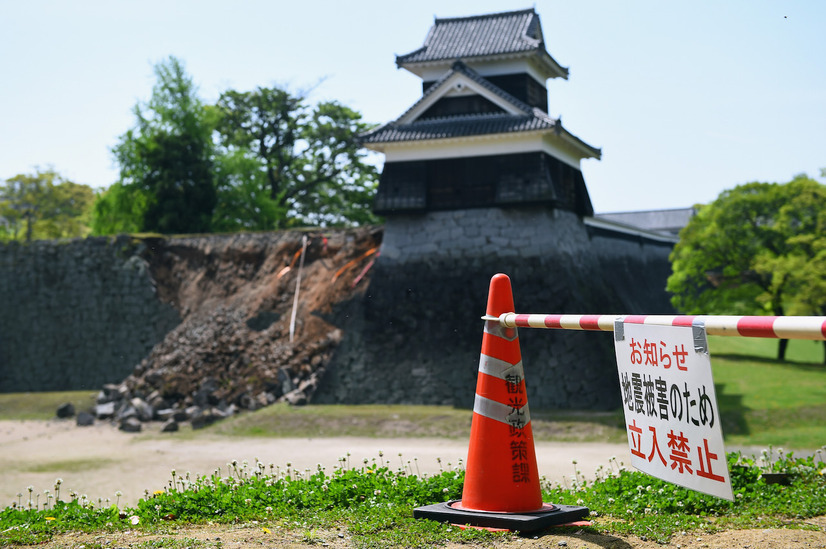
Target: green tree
(759, 248)
(166, 167)
(44, 205)
(307, 160)
(119, 209)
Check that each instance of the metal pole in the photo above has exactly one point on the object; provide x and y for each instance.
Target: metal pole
(297, 286)
(781, 327)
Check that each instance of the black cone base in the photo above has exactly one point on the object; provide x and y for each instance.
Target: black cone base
(521, 522)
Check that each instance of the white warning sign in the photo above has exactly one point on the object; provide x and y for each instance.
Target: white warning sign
(671, 412)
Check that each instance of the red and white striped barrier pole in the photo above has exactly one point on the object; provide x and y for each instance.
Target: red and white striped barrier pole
(781, 327)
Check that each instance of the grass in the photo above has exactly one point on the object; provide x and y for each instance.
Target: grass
(22, 406)
(798, 350)
(67, 465)
(372, 504)
(387, 421)
(764, 402)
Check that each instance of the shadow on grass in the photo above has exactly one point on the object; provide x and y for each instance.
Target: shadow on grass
(802, 366)
(732, 411)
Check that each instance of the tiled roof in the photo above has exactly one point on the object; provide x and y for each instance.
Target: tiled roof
(458, 126)
(532, 119)
(481, 35)
(664, 221)
(465, 125)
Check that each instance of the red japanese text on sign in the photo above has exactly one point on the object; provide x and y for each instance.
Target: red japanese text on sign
(670, 407)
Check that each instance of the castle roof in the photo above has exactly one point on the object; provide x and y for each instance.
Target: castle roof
(514, 116)
(460, 68)
(669, 221)
(490, 36)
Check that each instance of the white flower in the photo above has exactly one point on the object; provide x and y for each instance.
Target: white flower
(134, 519)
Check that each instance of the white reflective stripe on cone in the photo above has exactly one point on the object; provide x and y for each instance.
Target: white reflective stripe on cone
(515, 417)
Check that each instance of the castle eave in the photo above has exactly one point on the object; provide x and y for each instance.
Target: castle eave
(475, 129)
(547, 65)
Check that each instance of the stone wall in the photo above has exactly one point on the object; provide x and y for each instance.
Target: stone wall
(416, 335)
(76, 314)
(80, 314)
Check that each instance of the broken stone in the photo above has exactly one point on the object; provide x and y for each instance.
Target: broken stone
(131, 425)
(193, 411)
(296, 398)
(84, 419)
(105, 410)
(169, 426)
(165, 414)
(142, 409)
(66, 410)
(125, 412)
(286, 382)
(247, 402)
(108, 393)
(204, 419)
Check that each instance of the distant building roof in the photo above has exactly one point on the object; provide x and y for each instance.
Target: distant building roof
(663, 221)
(479, 36)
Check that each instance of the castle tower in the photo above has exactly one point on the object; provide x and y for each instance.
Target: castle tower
(480, 136)
(478, 179)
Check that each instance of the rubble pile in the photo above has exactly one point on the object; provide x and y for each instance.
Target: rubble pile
(233, 349)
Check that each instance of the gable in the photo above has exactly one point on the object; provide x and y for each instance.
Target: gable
(461, 105)
(464, 88)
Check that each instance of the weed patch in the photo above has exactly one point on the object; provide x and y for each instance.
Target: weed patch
(373, 502)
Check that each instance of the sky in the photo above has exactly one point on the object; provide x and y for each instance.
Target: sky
(685, 98)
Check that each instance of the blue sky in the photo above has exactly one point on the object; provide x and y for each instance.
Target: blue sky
(685, 99)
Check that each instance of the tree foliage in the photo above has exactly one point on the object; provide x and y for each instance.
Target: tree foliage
(258, 160)
(297, 164)
(119, 209)
(43, 205)
(759, 248)
(166, 165)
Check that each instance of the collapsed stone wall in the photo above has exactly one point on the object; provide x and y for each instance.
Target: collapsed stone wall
(416, 335)
(201, 324)
(76, 314)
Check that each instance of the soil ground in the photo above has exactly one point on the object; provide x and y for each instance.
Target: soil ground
(100, 460)
(254, 535)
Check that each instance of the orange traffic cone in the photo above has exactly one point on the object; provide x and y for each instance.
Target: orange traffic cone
(501, 478)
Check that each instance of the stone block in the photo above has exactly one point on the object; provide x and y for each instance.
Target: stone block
(66, 410)
(169, 426)
(131, 425)
(105, 410)
(84, 419)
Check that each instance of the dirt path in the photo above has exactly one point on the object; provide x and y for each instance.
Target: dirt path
(259, 535)
(100, 460)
